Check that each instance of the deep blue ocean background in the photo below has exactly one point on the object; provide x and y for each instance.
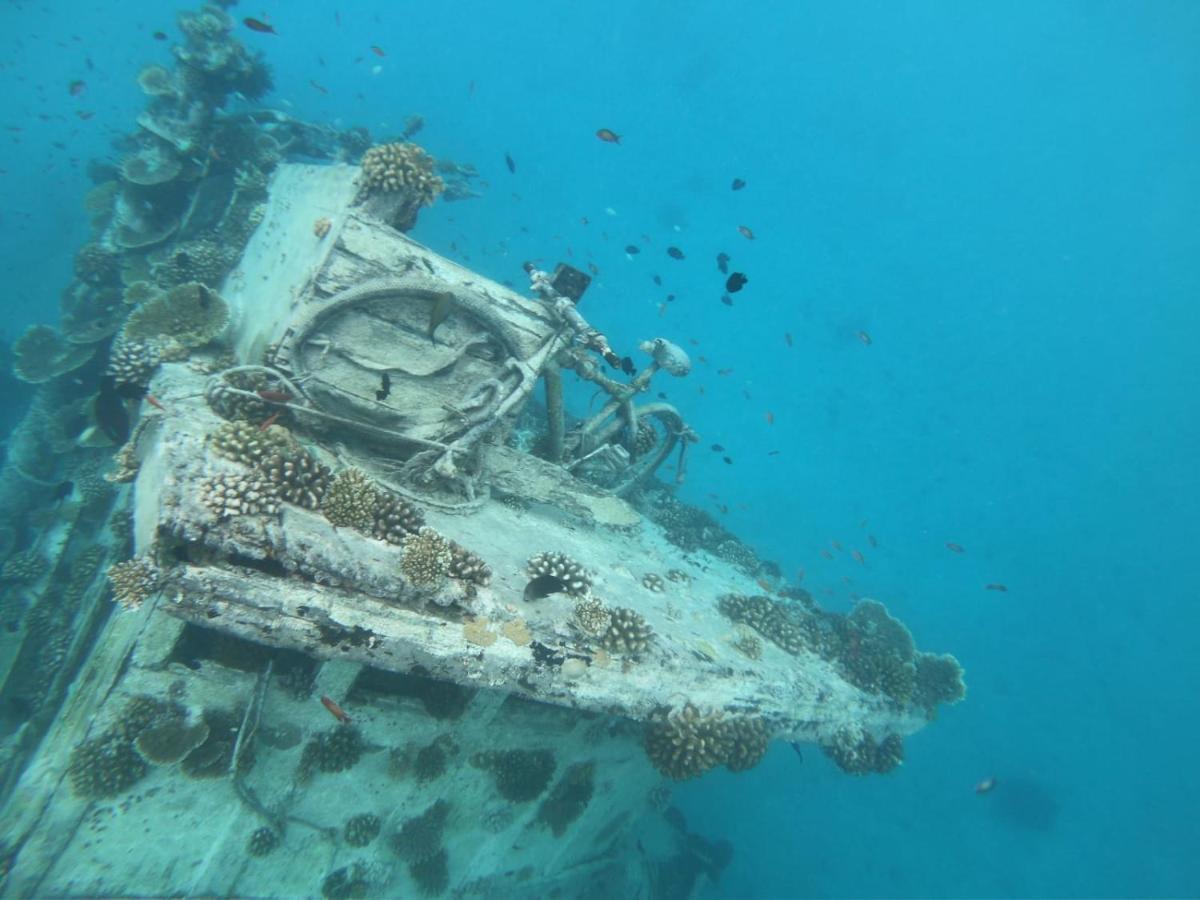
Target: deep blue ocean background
(1004, 196)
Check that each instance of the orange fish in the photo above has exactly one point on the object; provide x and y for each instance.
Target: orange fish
(608, 136)
(155, 402)
(858, 557)
(986, 785)
(336, 711)
(996, 587)
(276, 396)
(764, 584)
(770, 417)
(744, 231)
(378, 51)
(827, 554)
(865, 338)
(268, 422)
(261, 27)
(955, 548)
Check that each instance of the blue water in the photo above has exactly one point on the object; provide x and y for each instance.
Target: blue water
(1004, 197)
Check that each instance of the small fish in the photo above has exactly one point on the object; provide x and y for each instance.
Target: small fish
(723, 263)
(770, 417)
(744, 231)
(662, 395)
(724, 372)
(717, 448)
(385, 387)
(77, 87)
(675, 253)
(319, 87)
(773, 453)
(155, 402)
(727, 300)
(836, 545)
(85, 114)
(378, 51)
(109, 409)
(627, 365)
(633, 249)
(268, 421)
(336, 711)
(955, 548)
(63, 491)
(764, 584)
(994, 586)
(787, 337)
(657, 280)
(858, 557)
(728, 461)
(441, 309)
(159, 35)
(737, 185)
(508, 161)
(872, 541)
(593, 268)
(865, 338)
(543, 586)
(800, 573)
(670, 298)
(259, 26)
(986, 785)
(608, 136)
(826, 554)
(277, 396)
(412, 125)
(735, 282)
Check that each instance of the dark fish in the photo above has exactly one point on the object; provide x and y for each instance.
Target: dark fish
(670, 298)
(996, 587)
(735, 282)
(658, 280)
(109, 409)
(717, 448)
(728, 461)
(674, 253)
(787, 336)
(262, 27)
(633, 250)
(441, 309)
(737, 185)
(608, 136)
(662, 395)
(385, 387)
(159, 35)
(85, 114)
(772, 453)
(796, 746)
(412, 125)
(63, 491)
(543, 586)
(77, 87)
(627, 365)
(319, 87)
(508, 161)
(727, 300)
(723, 263)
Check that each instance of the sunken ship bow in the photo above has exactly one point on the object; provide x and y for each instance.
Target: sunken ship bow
(346, 576)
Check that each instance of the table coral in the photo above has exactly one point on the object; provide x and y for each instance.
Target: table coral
(133, 581)
(190, 315)
(42, 354)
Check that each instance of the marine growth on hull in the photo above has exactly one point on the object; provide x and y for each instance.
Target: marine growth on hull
(309, 557)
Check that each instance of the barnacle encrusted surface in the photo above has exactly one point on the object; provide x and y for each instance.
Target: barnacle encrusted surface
(133, 581)
(250, 445)
(299, 479)
(388, 168)
(132, 362)
(572, 575)
(939, 679)
(24, 565)
(396, 519)
(569, 798)
(41, 353)
(351, 500)
(686, 742)
(230, 494)
(420, 837)
(335, 750)
(628, 632)
(191, 315)
(858, 752)
(263, 841)
(426, 557)
(520, 775)
(360, 830)
(468, 566)
(591, 617)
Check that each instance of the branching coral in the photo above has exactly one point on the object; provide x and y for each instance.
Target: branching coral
(132, 363)
(298, 479)
(520, 775)
(782, 624)
(263, 841)
(42, 354)
(468, 566)
(251, 445)
(190, 315)
(360, 830)
(230, 494)
(420, 838)
(627, 633)
(203, 260)
(133, 581)
(570, 574)
(335, 750)
(684, 743)
(654, 582)
(396, 519)
(390, 168)
(568, 799)
(858, 752)
(24, 566)
(351, 500)
(426, 557)
(108, 764)
(591, 617)
(749, 738)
